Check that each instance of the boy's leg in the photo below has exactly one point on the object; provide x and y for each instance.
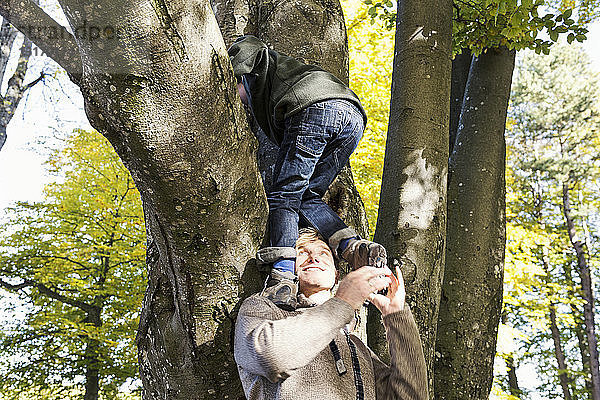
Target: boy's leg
(343, 240)
(306, 135)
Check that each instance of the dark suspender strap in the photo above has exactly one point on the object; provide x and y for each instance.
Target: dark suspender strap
(358, 382)
(339, 363)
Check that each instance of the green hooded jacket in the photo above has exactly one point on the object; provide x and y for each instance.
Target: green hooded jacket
(281, 86)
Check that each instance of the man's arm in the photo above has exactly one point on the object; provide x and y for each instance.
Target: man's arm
(276, 348)
(406, 377)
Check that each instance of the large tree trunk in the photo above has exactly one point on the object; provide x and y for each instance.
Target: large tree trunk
(472, 294)
(411, 223)
(588, 296)
(158, 91)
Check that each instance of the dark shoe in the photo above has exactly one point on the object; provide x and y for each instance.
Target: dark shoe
(361, 252)
(282, 289)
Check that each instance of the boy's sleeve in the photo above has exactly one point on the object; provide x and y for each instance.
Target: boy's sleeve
(406, 378)
(275, 348)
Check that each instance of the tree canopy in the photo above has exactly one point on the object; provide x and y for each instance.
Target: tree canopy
(72, 273)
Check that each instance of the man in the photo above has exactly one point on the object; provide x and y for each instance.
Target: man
(309, 354)
(317, 122)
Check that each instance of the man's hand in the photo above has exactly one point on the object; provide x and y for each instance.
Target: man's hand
(395, 299)
(359, 285)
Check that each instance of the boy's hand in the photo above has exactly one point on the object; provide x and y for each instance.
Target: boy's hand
(358, 285)
(395, 300)
(361, 252)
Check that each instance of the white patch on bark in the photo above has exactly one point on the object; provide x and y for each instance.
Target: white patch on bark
(421, 192)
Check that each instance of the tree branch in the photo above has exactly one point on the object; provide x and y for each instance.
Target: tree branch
(34, 82)
(51, 37)
(63, 299)
(45, 290)
(13, 288)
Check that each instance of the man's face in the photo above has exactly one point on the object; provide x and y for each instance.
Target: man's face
(315, 267)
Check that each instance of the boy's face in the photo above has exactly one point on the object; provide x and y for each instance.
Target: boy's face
(242, 93)
(315, 267)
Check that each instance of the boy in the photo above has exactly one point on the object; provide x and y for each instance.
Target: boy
(317, 122)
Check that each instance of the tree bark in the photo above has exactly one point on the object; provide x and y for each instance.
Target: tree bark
(588, 296)
(148, 89)
(52, 38)
(461, 64)
(411, 222)
(471, 302)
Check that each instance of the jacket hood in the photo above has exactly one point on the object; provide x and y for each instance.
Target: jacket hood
(246, 55)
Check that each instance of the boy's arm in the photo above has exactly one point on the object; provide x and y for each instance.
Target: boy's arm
(275, 348)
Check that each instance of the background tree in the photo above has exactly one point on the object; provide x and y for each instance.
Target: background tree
(555, 114)
(76, 265)
(16, 86)
(491, 31)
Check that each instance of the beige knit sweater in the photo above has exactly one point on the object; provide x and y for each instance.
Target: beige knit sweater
(285, 355)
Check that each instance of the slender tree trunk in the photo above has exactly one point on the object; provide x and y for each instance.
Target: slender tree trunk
(411, 223)
(92, 358)
(563, 377)
(16, 87)
(588, 296)
(471, 301)
(513, 383)
(579, 329)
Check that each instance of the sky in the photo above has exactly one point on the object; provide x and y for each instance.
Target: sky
(49, 112)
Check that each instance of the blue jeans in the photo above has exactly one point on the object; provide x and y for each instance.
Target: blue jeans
(317, 143)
